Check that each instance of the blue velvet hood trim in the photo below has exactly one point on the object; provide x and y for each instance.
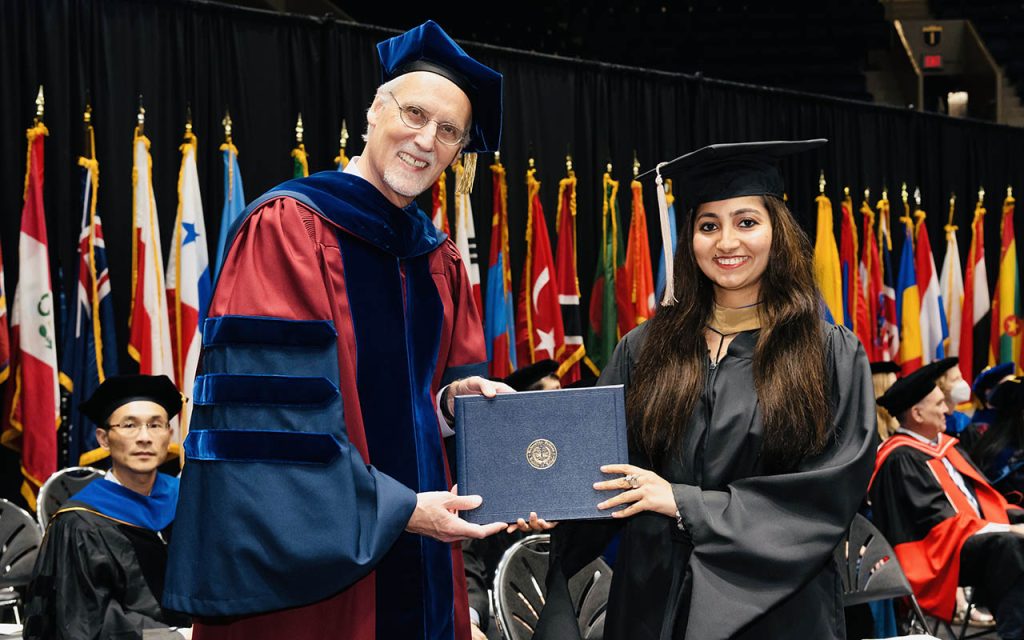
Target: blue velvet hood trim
(154, 512)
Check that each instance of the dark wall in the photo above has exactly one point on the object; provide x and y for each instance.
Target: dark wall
(266, 68)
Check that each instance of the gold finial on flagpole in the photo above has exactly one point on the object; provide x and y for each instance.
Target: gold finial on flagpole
(903, 193)
(1009, 191)
(530, 162)
(343, 140)
(846, 192)
(821, 183)
(867, 194)
(298, 129)
(227, 126)
(917, 196)
(981, 194)
(141, 117)
(87, 115)
(568, 163)
(952, 207)
(636, 165)
(40, 104)
(188, 118)
(885, 192)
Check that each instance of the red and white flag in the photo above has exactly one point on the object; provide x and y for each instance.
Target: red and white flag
(149, 343)
(188, 274)
(32, 413)
(540, 334)
(977, 303)
(465, 239)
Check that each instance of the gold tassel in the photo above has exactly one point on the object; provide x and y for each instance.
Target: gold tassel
(464, 179)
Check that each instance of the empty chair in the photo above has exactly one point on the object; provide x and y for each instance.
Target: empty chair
(61, 486)
(520, 591)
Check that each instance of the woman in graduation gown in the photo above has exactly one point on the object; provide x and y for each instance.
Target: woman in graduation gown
(752, 432)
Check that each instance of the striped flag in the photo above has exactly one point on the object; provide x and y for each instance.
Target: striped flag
(149, 342)
(540, 334)
(933, 317)
(568, 282)
(439, 203)
(300, 160)
(90, 347)
(32, 410)
(871, 283)
(976, 299)
(1006, 310)
(499, 319)
(951, 284)
(908, 303)
(636, 288)
(659, 283)
(465, 238)
(855, 311)
(234, 200)
(890, 328)
(188, 276)
(826, 261)
(603, 333)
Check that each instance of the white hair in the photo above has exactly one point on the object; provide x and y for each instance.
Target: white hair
(383, 92)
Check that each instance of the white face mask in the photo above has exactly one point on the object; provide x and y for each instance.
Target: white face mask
(960, 392)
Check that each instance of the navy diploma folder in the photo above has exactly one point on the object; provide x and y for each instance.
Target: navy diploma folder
(539, 451)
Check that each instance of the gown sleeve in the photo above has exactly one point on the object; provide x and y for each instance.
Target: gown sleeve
(278, 506)
(74, 594)
(764, 537)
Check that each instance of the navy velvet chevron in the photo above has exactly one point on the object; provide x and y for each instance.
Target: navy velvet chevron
(492, 435)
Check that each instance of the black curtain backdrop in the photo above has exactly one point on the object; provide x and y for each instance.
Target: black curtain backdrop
(266, 68)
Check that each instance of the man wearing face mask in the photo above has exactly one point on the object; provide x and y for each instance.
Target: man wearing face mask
(957, 392)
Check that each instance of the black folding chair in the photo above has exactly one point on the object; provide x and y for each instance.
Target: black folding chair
(869, 570)
(19, 545)
(59, 487)
(520, 590)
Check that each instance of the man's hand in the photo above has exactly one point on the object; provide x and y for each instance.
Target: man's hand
(474, 385)
(477, 634)
(436, 515)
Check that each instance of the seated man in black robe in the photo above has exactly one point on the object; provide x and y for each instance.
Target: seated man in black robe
(946, 523)
(100, 571)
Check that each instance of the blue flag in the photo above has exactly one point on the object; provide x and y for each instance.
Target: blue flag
(90, 348)
(234, 202)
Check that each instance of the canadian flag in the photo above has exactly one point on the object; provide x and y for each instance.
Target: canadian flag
(188, 273)
(539, 331)
(149, 342)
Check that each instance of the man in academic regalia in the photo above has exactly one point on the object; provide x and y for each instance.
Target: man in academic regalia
(316, 501)
(946, 523)
(100, 571)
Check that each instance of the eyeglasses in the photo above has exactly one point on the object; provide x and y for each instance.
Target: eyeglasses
(129, 429)
(416, 118)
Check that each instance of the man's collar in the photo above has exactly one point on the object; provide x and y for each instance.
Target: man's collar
(918, 436)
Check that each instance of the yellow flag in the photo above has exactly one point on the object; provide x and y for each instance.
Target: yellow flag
(826, 261)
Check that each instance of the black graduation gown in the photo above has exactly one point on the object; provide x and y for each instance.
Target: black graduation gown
(755, 560)
(96, 578)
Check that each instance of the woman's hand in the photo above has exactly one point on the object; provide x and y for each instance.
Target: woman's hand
(535, 525)
(646, 490)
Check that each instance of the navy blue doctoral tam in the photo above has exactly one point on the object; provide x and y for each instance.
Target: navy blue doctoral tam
(428, 48)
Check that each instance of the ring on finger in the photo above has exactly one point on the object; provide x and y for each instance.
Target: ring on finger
(632, 480)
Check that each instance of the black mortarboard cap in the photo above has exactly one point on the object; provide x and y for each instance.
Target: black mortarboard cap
(522, 379)
(1008, 396)
(885, 366)
(912, 388)
(428, 48)
(721, 171)
(117, 391)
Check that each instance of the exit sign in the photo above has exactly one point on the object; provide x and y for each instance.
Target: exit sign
(932, 61)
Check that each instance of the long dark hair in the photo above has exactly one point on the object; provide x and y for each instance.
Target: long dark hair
(789, 360)
(1007, 430)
